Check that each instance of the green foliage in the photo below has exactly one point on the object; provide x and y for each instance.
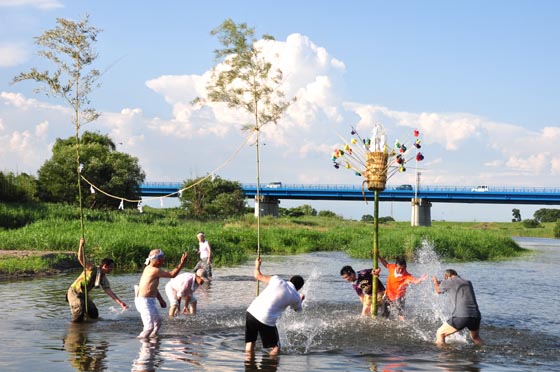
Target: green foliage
(17, 188)
(556, 229)
(330, 214)
(113, 172)
(516, 215)
(205, 198)
(128, 236)
(369, 218)
(547, 215)
(69, 46)
(37, 263)
(248, 81)
(531, 223)
(302, 210)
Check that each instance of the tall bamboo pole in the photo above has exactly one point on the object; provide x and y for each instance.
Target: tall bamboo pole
(79, 172)
(375, 253)
(258, 200)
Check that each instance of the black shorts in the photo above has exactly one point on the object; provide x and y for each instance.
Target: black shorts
(253, 328)
(473, 324)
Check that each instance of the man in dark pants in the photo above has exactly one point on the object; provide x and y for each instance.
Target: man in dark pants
(465, 308)
(91, 277)
(265, 310)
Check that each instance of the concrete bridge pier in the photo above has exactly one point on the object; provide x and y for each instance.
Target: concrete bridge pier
(269, 206)
(421, 212)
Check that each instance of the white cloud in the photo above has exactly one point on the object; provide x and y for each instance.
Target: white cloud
(13, 54)
(460, 148)
(39, 4)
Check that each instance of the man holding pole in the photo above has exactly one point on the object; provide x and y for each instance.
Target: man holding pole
(92, 277)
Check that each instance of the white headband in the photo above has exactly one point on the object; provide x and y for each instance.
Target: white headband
(154, 257)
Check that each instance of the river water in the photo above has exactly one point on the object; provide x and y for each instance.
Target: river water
(519, 300)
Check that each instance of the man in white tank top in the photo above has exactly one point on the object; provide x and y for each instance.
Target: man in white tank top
(205, 252)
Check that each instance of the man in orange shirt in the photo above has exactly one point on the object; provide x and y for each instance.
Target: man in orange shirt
(395, 289)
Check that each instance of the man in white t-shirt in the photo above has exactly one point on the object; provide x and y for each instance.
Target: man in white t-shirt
(205, 252)
(265, 310)
(183, 287)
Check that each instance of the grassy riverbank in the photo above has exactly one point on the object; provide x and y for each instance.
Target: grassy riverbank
(128, 236)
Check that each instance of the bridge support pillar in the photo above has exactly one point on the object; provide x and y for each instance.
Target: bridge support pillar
(421, 212)
(268, 206)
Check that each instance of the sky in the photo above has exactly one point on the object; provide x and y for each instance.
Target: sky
(478, 79)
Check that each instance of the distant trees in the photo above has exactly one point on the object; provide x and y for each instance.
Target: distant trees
(556, 229)
(531, 223)
(211, 198)
(114, 172)
(516, 215)
(369, 218)
(547, 215)
(299, 211)
(17, 188)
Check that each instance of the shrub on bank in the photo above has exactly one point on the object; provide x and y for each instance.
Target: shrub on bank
(128, 236)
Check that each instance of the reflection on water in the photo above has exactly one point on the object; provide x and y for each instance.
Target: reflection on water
(84, 353)
(148, 357)
(519, 322)
(268, 363)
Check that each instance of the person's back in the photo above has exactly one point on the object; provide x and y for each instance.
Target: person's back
(273, 300)
(465, 299)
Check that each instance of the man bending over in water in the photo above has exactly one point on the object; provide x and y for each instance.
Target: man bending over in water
(465, 308)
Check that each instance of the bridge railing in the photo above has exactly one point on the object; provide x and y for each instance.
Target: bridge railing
(346, 187)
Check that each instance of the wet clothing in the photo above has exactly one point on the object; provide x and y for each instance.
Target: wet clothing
(76, 294)
(147, 307)
(397, 283)
(273, 300)
(465, 312)
(473, 324)
(254, 328)
(461, 292)
(364, 283)
(182, 285)
(265, 310)
(388, 306)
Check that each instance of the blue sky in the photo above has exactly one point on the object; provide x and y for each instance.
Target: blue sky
(478, 79)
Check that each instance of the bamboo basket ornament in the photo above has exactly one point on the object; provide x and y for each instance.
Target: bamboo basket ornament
(376, 170)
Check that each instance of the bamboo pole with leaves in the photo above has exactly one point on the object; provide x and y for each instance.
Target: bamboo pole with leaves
(245, 80)
(69, 46)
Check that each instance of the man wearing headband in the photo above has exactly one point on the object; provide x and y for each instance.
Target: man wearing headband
(91, 277)
(147, 291)
(205, 252)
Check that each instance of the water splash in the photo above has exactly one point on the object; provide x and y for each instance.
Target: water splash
(301, 329)
(426, 310)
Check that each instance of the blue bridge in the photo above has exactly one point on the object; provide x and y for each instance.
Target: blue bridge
(403, 193)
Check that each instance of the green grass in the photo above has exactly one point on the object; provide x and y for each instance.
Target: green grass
(128, 236)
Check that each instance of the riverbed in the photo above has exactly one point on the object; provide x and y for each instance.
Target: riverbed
(519, 301)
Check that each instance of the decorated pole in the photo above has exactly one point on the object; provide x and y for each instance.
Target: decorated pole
(372, 159)
(375, 253)
(376, 179)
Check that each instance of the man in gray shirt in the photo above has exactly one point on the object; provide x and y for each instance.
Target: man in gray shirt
(465, 309)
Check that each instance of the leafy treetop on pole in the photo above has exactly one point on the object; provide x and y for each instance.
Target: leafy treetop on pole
(69, 46)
